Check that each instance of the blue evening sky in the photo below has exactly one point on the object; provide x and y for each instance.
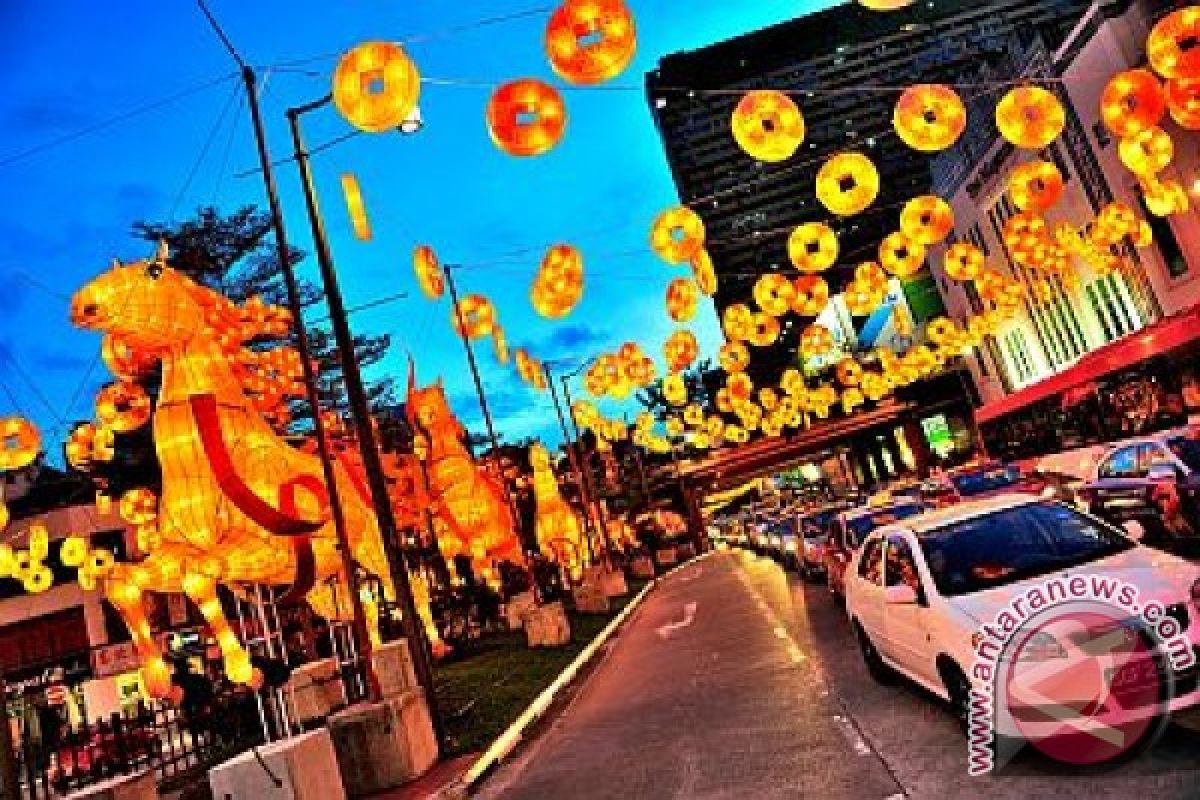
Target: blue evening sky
(66, 206)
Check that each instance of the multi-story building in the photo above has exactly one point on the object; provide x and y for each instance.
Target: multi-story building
(1063, 321)
(845, 67)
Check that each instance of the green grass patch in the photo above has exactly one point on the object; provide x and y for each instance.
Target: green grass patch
(482, 695)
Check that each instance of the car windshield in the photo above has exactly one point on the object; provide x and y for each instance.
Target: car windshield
(1186, 450)
(1015, 544)
(985, 480)
(861, 526)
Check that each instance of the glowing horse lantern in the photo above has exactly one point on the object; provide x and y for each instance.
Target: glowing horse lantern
(558, 528)
(238, 503)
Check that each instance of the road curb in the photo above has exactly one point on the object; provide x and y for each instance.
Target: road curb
(507, 742)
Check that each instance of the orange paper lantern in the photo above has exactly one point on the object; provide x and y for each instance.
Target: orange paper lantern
(1147, 152)
(734, 357)
(927, 220)
(847, 184)
(963, 261)
(1030, 117)
(737, 321)
(1171, 46)
(590, 41)
(428, 271)
(20, 443)
(774, 294)
(526, 117)
(901, 256)
(356, 208)
(768, 125)
(681, 350)
(704, 272)
(765, 330)
(929, 117)
(474, 317)
(816, 341)
(677, 235)
(682, 297)
(123, 406)
(1183, 101)
(1035, 186)
(1132, 102)
(813, 247)
(811, 295)
(376, 86)
(558, 286)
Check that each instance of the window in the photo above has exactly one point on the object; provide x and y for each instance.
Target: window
(1121, 464)
(1150, 455)
(870, 564)
(901, 569)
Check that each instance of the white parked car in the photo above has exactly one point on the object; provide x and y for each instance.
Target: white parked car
(919, 591)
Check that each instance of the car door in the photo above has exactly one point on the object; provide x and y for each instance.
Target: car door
(865, 580)
(1121, 491)
(906, 627)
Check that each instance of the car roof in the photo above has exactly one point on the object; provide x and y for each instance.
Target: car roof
(1150, 438)
(969, 509)
(864, 511)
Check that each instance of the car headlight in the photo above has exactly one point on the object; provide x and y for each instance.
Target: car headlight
(790, 547)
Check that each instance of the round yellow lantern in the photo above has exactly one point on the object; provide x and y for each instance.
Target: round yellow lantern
(680, 350)
(677, 235)
(738, 322)
(942, 330)
(139, 506)
(813, 247)
(682, 297)
(558, 286)
(963, 261)
(704, 272)
(20, 443)
(811, 295)
(734, 357)
(768, 125)
(123, 406)
(1183, 101)
(1147, 152)
(526, 117)
(901, 256)
(1171, 46)
(376, 86)
(429, 272)
(816, 341)
(1132, 102)
(765, 330)
(740, 387)
(927, 219)
(1030, 117)
(774, 293)
(863, 298)
(929, 117)
(473, 317)
(1035, 186)
(848, 184)
(590, 41)
(849, 372)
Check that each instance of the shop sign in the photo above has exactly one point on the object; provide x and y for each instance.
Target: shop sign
(114, 659)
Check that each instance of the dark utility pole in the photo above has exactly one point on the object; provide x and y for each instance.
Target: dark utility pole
(572, 458)
(361, 414)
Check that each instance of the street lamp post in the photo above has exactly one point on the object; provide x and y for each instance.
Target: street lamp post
(361, 414)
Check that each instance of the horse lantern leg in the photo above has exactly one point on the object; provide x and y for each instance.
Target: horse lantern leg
(202, 589)
(128, 597)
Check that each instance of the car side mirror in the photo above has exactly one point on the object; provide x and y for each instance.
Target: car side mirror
(902, 595)
(1134, 529)
(1162, 472)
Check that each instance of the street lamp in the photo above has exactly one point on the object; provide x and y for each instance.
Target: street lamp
(361, 414)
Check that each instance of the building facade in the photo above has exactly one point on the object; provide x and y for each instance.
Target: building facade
(1061, 321)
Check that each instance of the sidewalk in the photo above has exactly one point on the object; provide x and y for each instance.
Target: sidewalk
(699, 698)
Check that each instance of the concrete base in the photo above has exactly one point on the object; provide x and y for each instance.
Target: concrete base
(667, 557)
(143, 786)
(590, 599)
(547, 626)
(516, 609)
(385, 745)
(642, 567)
(394, 668)
(315, 690)
(305, 765)
(613, 584)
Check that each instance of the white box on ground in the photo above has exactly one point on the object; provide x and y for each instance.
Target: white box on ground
(516, 607)
(315, 690)
(142, 786)
(384, 745)
(547, 626)
(614, 584)
(590, 599)
(666, 557)
(642, 567)
(301, 768)
(394, 667)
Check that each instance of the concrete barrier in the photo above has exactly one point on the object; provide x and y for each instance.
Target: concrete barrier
(394, 667)
(315, 690)
(642, 567)
(301, 768)
(516, 608)
(547, 626)
(666, 557)
(383, 745)
(613, 584)
(142, 786)
(590, 599)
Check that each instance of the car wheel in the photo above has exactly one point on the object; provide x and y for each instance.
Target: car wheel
(879, 670)
(959, 690)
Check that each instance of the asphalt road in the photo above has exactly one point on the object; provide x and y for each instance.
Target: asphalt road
(736, 680)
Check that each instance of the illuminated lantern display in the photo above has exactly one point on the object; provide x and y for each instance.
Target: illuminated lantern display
(123, 406)
(473, 317)
(812, 247)
(816, 341)
(20, 443)
(1183, 102)
(704, 272)
(849, 372)
(1147, 152)
(1035, 186)
(847, 184)
(500, 345)
(677, 235)
(530, 369)
(852, 398)
(811, 295)
(927, 220)
(1165, 197)
(792, 381)
(675, 390)
(558, 529)
(693, 415)
(558, 286)
(1030, 117)
(901, 256)
(774, 293)
(681, 350)
(356, 208)
(376, 86)
(964, 261)
(239, 504)
(867, 291)
(124, 360)
(768, 125)
(1132, 102)
(942, 330)
(738, 322)
(736, 434)
(1171, 46)
(428, 272)
(740, 387)
(526, 117)
(768, 398)
(734, 357)
(765, 330)
(929, 117)
(590, 41)
(682, 296)
(139, 507)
